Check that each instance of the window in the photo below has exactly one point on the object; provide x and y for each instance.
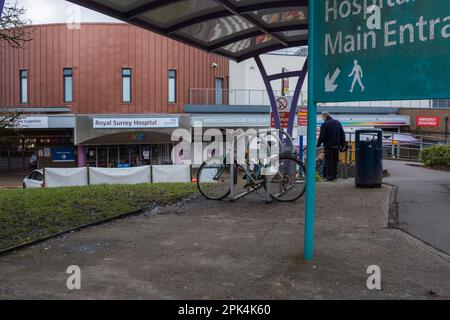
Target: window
(442, 103)
(23, 86)
(172, 86)
(219, 90)
(126, 85)
(68, 84)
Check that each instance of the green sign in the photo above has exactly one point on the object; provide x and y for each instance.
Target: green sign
(369, 50)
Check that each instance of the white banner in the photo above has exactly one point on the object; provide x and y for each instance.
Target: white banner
(119, 176)
(69, 177)
(135, 123)
(171, 174)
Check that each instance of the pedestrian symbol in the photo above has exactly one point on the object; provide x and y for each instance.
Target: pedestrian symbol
(357, 74)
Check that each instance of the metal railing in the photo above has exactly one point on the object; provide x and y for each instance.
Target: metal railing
(211, 96)
(395, 147)
(401, 150)
(391, 104)
(205, 96)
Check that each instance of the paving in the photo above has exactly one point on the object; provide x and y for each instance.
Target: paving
(236, 250)
(424, 202)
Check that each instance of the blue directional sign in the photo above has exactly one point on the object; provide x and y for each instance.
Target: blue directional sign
(63, 155)
(393, 50)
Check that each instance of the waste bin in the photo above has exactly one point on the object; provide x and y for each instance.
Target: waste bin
(369, 158)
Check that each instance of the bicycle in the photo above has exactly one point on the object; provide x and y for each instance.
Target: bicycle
(285, 177)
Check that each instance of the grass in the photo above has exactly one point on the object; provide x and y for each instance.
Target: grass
(27, 215)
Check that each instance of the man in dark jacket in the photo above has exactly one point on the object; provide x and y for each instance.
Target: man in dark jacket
(332, 136)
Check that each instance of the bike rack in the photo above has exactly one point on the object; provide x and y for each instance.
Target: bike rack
(279, 134)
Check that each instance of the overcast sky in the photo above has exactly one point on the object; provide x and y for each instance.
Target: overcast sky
(57, 11)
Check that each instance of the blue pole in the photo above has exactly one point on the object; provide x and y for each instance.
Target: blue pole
(312, 148)
(302, 145)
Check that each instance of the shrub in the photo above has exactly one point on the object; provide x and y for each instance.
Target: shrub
(436, 156)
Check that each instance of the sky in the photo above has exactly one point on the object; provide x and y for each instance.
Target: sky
(57, 11)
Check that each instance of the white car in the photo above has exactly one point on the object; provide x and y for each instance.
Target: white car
(34, 180)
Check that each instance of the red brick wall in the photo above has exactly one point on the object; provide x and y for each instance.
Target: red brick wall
(97, 53)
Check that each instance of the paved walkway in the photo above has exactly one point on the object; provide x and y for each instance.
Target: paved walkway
(424, 202)
(241, 250)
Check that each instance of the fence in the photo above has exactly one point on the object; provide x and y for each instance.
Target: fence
(401, 146)
(396, 146)
(55, 178)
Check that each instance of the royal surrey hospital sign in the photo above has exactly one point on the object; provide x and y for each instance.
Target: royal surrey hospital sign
(382, 50)
(135, 123)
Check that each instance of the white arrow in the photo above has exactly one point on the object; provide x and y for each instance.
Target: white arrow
(329, 82)
(64, 157)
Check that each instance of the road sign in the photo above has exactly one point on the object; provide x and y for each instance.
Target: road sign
(427, 121)
(397, 50)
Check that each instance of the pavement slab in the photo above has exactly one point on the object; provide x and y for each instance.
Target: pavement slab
(236, 250)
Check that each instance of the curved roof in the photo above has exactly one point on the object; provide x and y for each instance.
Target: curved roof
(237, 29)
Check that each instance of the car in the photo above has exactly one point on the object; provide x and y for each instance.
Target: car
(34, 180)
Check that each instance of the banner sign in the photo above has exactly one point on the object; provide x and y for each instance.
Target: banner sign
(428, 121)
(303, 117)
(284, 118)
(32, 123)
(135, 123)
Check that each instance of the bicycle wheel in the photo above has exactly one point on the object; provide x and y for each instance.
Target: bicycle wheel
(288, 179)
(213, 179)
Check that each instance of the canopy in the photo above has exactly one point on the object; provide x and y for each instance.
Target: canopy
(237, 29)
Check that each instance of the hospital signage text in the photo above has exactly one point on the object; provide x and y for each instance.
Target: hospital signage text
(382, 50)
(135, 123)
(427, 121)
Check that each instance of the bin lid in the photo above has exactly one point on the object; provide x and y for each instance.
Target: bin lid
(363, 131)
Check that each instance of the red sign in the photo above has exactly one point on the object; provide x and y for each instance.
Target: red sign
(303, 117)
(284, 117)
(427, 121)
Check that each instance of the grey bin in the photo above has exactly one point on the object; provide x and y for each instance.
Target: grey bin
(369, 158)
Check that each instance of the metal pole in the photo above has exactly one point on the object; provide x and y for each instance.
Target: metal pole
(312, 148)
(295, 99)
(270, 92)
(446, 129)
(2, 3)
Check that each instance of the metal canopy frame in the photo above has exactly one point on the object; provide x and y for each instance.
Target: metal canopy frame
(2, 3)
(247, 11)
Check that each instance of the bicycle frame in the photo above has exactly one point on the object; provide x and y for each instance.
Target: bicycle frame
(233, 195)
